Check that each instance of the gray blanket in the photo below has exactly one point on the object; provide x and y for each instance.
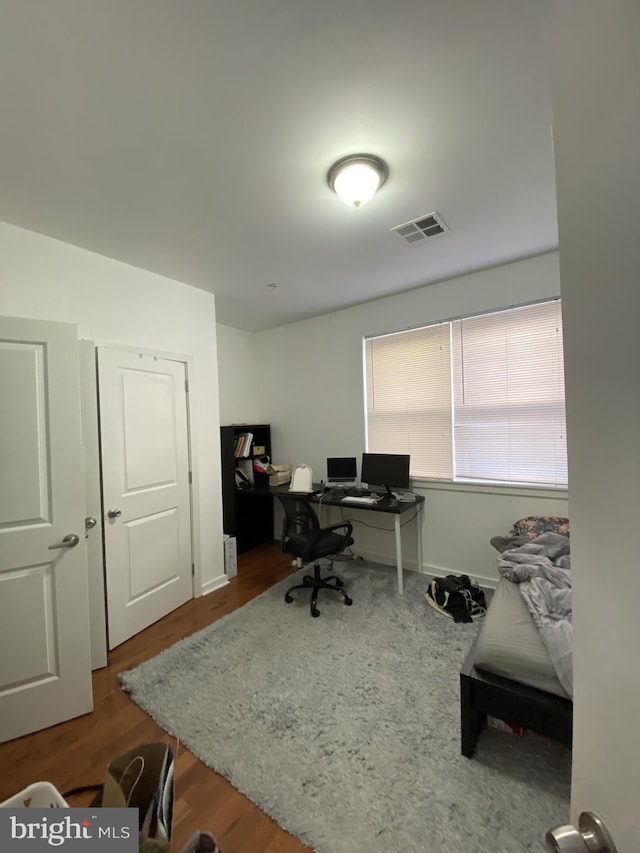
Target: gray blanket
(542, 568)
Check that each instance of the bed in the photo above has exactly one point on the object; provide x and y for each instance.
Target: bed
(508, 673)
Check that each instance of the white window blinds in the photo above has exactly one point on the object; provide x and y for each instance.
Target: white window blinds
(509, 413)
(480, 398)
(409, 398)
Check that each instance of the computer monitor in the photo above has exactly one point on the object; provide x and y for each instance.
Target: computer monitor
(390, 470)
(342, 470)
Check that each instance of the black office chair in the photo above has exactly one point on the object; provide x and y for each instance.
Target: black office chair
(303, 537)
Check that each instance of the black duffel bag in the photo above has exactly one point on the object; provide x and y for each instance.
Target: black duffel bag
(458, 597)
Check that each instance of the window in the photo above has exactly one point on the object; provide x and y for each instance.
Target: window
(475, 399)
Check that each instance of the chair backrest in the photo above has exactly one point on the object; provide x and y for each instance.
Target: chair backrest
(299, 523)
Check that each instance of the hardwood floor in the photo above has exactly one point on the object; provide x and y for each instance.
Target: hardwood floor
(77, 752)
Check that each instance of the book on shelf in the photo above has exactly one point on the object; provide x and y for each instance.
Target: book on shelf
(244, 477)
(243, 445)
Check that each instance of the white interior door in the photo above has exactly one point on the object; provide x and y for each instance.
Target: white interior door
(145, 485)
(596, 132)
(45, 671)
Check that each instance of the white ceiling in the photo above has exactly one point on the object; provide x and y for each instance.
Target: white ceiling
(193, 137)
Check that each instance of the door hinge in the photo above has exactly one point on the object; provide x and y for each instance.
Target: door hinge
(190, 477)
(186, 385)
(193, 569)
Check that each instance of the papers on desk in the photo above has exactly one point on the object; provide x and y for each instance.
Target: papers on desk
(355, 499)
(279, 474)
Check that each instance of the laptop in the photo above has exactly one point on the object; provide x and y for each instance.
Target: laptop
(342, 472)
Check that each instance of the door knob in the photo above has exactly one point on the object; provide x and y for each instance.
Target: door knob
(590, 837)
(114, 513)
(69, 541)
(90, 522)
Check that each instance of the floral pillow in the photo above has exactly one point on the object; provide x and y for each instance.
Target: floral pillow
(535, 525)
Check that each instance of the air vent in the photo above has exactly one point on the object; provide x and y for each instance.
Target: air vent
(420, 229)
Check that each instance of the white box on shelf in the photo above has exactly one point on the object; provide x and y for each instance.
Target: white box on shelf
(230, 556)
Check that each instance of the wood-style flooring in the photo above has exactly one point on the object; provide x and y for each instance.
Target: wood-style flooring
(77, 752)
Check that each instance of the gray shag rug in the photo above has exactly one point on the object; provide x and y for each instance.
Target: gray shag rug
(345, 729)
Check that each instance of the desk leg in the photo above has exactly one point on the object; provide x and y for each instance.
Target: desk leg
(419, 526)
(399, 553)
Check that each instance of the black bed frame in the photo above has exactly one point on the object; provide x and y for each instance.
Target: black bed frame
(483, 694)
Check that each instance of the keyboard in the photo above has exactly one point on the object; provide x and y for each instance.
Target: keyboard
(358, 499)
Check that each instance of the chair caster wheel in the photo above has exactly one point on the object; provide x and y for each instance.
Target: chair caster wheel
(315, 611)
(288, 598)
(339, 582)
(348, 602)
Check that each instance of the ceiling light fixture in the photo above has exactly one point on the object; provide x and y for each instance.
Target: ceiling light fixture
(356, 179)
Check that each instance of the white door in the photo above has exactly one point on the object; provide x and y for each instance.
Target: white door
(145, 487)
(45, 669)
(596, 133)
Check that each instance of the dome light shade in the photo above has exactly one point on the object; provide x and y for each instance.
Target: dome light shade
(356, 179)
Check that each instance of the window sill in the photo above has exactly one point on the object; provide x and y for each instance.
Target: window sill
(423, 485)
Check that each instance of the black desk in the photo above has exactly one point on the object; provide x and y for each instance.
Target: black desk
(386, 505)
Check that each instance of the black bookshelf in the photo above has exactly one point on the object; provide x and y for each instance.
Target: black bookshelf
(246, 515)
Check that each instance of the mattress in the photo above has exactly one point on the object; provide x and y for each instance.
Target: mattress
(509, 643)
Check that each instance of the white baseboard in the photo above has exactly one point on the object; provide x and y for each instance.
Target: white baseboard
(440, 572)
(427, 570)
(212, 586)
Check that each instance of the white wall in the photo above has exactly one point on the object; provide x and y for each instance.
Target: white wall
(311, 391)
(239, 376)
(597, 143)
(112, 302)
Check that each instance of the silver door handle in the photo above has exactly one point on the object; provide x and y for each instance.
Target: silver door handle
(590, 837)
(69, 541)
(114, 513)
